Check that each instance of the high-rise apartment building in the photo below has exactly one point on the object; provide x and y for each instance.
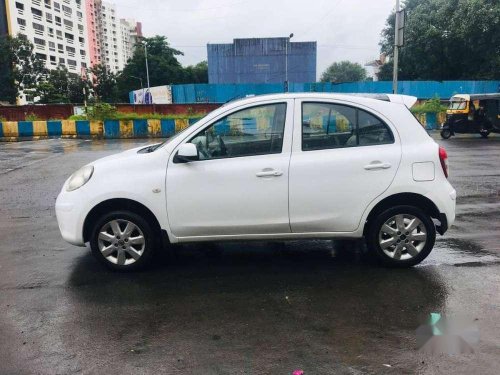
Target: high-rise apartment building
(76, 34)
(112, 39)
(131, 32)
(57, 29)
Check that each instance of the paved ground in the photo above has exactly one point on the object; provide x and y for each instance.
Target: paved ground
(237, 309)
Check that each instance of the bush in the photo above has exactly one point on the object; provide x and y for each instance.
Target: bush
(32, 117)
(138, 116)
(101, 111)
(430, 106)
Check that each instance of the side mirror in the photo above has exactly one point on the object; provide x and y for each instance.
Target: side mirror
(187, 152)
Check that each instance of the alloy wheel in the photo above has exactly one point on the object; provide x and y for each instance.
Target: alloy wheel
(121, 242)
(402, 237)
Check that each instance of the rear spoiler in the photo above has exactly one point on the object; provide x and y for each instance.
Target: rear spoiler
(407, 100)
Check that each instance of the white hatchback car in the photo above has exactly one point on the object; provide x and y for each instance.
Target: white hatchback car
(273, 167)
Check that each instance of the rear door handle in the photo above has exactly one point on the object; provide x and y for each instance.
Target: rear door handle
(377, 165)
(269, 173)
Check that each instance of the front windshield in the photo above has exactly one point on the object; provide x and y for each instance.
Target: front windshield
(458, 104)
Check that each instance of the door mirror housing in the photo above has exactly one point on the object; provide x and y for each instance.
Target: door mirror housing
(187, 152)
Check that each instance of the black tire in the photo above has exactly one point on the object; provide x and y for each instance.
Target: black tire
(484, 133)
(374, 227)
(151, 242)
(445, 133)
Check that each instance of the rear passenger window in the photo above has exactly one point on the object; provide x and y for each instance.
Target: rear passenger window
(326, 126)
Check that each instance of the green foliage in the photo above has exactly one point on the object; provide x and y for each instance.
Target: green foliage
(344, 71)
(101, 111)
(21, 69)
(60, 86)
(446, 40)
(32, 117)
(2, 119)
(430, 106)
(138, 116)
(164, 68)
(105, 85)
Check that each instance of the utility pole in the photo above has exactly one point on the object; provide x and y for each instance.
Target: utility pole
(396, 51)
(147, 68)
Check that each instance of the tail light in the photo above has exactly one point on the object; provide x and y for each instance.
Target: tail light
(443, 157)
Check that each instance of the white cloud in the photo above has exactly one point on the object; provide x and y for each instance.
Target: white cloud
(344, 29)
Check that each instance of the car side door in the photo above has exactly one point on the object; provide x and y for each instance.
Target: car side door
(344, 156)
(239, 185)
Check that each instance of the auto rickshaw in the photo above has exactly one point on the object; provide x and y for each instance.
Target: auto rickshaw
(474, 113)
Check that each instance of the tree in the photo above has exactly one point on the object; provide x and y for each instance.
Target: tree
(446, 40)
(61, 86)
(8, 91)
(105, 84)
(21, 70)
(344, 71)
(197, 73)
(164, 68)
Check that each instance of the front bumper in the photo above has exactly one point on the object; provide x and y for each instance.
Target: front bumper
(70, 217)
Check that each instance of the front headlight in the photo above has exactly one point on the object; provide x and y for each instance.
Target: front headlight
(80, 178)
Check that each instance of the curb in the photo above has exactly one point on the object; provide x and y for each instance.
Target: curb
(108, 129)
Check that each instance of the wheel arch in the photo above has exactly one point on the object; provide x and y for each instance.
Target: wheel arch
(118, 204)
(407, 199)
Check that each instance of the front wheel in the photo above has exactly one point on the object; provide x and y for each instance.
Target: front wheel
(123, 241)
(445, 133)
(401, 236)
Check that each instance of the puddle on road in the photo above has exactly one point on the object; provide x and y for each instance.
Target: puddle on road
(460, 253)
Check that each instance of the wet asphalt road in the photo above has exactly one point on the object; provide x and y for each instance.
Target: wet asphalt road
(252, 308)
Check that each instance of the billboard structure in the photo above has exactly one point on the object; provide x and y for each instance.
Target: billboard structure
(153, 95)
(262, 60)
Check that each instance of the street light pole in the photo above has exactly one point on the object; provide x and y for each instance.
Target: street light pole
(147, 67)
(396, 51)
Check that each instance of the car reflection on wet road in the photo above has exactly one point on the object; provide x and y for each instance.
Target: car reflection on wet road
(266, 308)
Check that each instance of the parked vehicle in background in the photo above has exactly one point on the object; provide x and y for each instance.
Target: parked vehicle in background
(472, 114)
(285, 166)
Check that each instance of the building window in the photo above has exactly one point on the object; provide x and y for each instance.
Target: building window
(57, 8)
(19, 6)
(71, 62)
(21, 22)
(39, 41)
(67, 9)
(68, 23)
(41, 56)
(36, 12)
(38, 27)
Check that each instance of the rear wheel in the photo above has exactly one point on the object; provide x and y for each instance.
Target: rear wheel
(123, 241)
(401, 236)
(484, 133)
(445, 133)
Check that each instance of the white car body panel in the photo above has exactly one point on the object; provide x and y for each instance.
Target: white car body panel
(223, 199)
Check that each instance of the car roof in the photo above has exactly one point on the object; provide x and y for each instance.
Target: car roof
(407, 100)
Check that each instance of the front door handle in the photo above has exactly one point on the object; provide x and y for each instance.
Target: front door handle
(377, 165)
(269, 173)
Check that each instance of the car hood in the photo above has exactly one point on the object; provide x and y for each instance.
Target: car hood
(133, 152)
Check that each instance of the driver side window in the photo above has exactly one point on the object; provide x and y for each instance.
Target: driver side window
(252, 131)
